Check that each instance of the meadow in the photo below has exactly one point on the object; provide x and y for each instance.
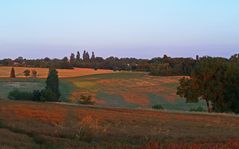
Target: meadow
(107, 88)
(131, 90)
(48, 125)
(121, 118)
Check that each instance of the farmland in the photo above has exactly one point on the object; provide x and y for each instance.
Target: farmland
(107, 88)
(46, 125)
(121, 118)
(43, 72)
(131, 90)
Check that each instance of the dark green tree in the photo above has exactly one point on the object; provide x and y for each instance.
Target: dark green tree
(214, 80)
(27, 72)
(12, 74)
(78, 56)
(52, 92)
(72, 58)
(34, 73)
(93, 56)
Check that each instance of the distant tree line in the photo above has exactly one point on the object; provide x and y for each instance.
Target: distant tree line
(163, 66)
(156, 66)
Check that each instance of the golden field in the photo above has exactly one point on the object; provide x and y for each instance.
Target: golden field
(48, 125)
(43, 72)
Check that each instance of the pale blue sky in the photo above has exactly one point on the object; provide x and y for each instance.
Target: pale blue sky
(134, 28)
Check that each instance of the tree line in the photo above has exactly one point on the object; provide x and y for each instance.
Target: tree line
(157, 66)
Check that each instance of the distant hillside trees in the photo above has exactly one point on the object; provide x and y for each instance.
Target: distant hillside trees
(215, 80)
(158, 66)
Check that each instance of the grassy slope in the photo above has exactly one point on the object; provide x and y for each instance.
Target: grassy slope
(128, 89)
(131, 90)
(35, 125)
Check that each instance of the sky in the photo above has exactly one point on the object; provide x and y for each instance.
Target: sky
(123, 28)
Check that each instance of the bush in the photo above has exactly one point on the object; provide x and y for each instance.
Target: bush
(48, 95)
(27, 72)
(37, 95)
(20, 95)
(34, 73)
(158, 107)
(87, 100)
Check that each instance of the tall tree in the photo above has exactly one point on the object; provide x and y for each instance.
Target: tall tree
(78, 56)
(93, 56)
(72, 58)
(12, 74)
(86, 56)
(52, 91)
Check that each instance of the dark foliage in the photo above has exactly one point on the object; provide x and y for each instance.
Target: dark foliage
(52, 91)
(215, 80)
(158, 107)
(20, 95)
(12, 73)
(87, 100)
(157, 66)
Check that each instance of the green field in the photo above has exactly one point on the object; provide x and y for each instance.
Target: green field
(132, 90)
(30, 85)
(127, 90)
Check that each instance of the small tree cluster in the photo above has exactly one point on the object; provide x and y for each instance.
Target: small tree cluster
(50, 93)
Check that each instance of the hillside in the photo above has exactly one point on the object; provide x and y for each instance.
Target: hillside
(107, 88)
(49, 125)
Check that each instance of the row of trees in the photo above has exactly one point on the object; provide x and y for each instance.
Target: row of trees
(164, 66)
(26, 72)
(156, 66)
(215, 80)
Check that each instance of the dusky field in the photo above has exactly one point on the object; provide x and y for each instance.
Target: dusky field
(119, 74)
(122, 116)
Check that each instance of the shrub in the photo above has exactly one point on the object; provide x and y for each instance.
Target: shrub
(48, 95)
(20, 95)
(158, 107)
(34, 73)
(88, 129)
(87, 100)
(37, 95)
(26, 72)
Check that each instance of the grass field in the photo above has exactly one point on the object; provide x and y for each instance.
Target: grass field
(118, 89)
(45, 125)
(43, 72)
(30, 84)
(131, 90)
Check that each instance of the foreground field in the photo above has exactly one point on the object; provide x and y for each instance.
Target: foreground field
(46, 125)
(43, 72)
